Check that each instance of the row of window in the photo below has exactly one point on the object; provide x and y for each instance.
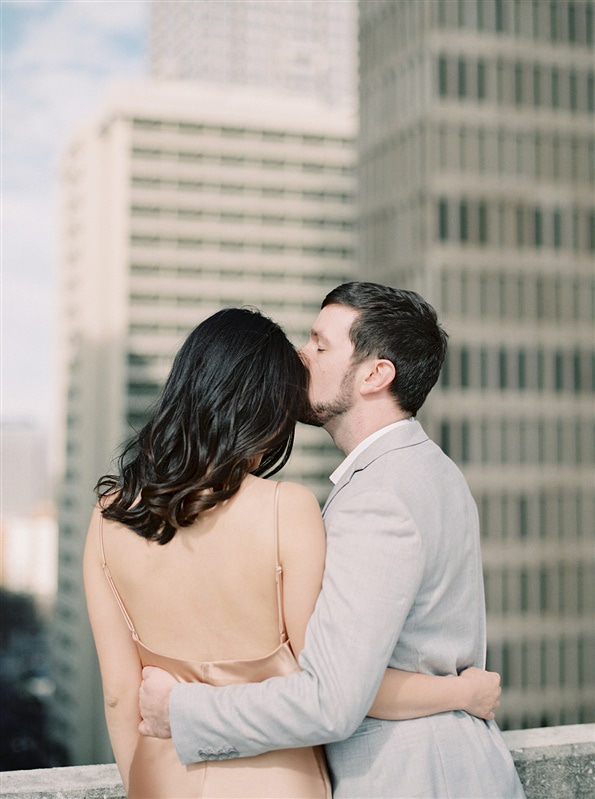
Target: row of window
(239, 217)
(229, 132)
(538, 155)
(401, 160)
(560, 515)
(548, 662)
(252, 273)
(389, 28)
(513, 442)
(483, 222)
(519, 295)
(563, 21)
(235, 161)
(519, 369)
(562, 589)
(516, 83)
(229, 245)
(223, 187)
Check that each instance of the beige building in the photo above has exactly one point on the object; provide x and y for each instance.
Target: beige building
(179, 200)
(477, 176)
(303, 47)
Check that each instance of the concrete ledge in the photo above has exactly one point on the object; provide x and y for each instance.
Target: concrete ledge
(553, 763)
(74, 782)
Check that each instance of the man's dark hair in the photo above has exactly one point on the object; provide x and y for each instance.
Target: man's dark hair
(401, 327)
(232, 399)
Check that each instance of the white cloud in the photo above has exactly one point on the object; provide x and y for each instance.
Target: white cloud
(54, 72)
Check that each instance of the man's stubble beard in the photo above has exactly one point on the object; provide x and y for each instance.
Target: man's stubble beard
(319, 414)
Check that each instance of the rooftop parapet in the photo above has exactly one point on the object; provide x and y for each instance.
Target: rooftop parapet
(552, 762)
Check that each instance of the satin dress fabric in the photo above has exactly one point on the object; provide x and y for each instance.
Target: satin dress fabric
(156, 771)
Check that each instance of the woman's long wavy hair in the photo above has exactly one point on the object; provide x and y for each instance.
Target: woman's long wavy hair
(229, 408)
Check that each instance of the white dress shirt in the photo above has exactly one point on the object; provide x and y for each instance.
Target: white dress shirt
(345, 464)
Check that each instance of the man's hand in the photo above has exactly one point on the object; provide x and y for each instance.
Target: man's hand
(154, 702)
(483, 691)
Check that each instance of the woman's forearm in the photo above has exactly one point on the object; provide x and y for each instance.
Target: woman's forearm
(122, 719)
(407, 695)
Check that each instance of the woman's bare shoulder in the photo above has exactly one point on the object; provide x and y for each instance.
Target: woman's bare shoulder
(295, 494)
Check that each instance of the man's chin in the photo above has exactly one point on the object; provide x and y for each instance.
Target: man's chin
(312, 418)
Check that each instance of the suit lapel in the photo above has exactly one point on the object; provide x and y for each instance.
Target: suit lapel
(407, 435)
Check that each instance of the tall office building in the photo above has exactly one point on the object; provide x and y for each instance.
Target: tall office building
(307, 47)
(179, 200)
(477, 175)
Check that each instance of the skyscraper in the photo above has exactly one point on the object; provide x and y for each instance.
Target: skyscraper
(307, 47)
(179, 200)
(476, 189)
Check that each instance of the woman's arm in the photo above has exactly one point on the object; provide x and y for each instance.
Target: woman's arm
(118, 656)
(406, 695)
(302, 548)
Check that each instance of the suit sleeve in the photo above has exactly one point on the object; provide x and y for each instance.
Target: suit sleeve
(373, 570)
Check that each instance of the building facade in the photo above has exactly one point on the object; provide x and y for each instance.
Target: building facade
(306, 47)
(179, 200)
(477, 174)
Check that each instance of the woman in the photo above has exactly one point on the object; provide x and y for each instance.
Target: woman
(213, 569)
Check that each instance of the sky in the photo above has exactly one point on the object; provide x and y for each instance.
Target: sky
(58, 56)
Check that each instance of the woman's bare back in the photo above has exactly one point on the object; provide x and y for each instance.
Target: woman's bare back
(210, 593)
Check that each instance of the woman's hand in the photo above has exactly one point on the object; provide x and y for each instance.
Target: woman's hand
(482, 691)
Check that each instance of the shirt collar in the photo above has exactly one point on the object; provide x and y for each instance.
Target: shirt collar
(346, 463)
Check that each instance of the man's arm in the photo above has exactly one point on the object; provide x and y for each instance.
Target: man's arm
(374, 564)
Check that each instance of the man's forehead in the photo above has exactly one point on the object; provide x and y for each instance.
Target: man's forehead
(334, 321)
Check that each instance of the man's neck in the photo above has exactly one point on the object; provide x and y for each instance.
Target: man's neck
(351, 428)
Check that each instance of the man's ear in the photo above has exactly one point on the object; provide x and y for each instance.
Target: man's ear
(380, 375)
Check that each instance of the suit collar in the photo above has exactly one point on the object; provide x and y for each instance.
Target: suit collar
(400, 437)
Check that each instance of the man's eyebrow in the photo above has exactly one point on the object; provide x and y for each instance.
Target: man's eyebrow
(320, 336)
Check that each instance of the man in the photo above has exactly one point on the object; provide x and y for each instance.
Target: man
(402, 587)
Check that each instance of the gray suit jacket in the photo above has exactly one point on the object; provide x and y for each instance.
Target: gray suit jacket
(402, 587)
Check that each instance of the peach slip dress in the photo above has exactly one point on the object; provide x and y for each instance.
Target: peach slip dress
(156, 771)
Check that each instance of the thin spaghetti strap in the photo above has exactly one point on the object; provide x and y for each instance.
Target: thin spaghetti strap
(279, 569)
(110, 580)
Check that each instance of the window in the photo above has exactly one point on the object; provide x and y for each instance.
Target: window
(464, 367)
(555, 88)
(522, 369)
(445, 437)
(538, 227)
(520, 225)
(499, 16)
(571, 21)
(559, 371)
(481, 79)
(540, 371)
(465, 442)
(480, 15)
(553, 21)
(503, 368)
(443, 220)
(483, 223)
(572, 91)
(557, 229)
(518, 84)
(442, 76)
(463, 221)
(536, 86)
(462, 78)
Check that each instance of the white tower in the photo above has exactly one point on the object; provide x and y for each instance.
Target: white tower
(476, 189)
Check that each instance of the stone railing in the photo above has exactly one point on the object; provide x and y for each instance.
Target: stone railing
(553, 763)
